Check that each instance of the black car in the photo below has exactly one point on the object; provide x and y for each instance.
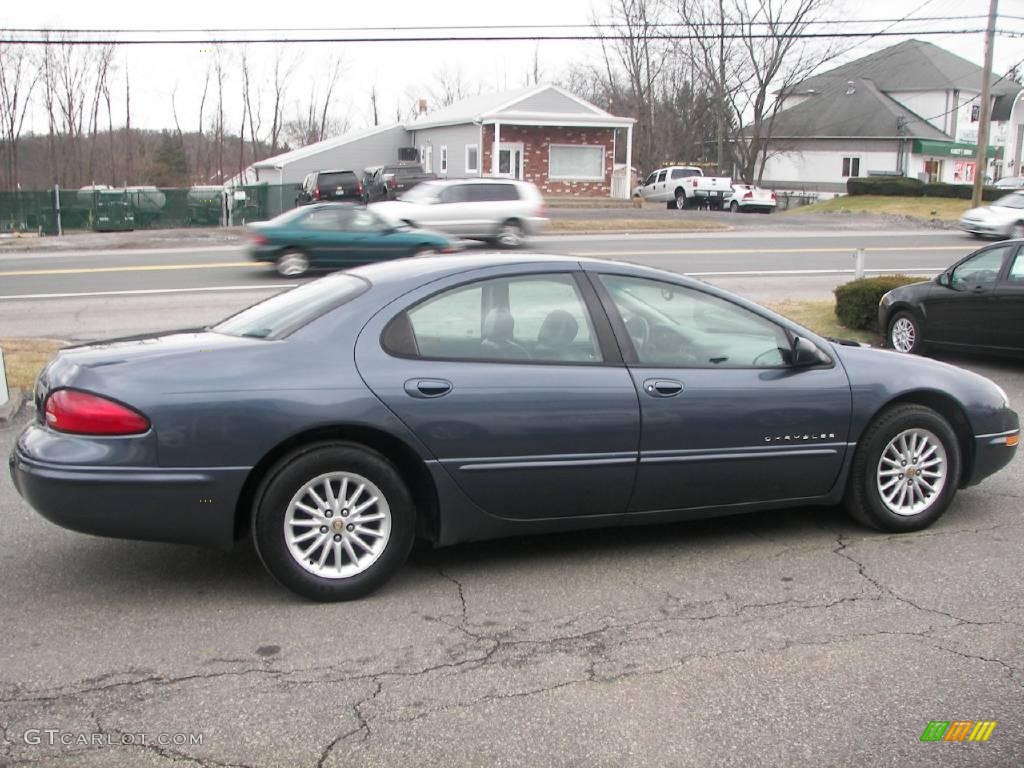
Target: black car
(386, 182)
(977, 304)
(322, 186)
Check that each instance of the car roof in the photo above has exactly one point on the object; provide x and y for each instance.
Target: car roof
(339, 170)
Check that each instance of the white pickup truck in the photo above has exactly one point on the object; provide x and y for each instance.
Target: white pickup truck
(685, 186)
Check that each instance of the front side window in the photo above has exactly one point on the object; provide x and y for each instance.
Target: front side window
(673, 326)
(363, 220)
(980, 270)
(532, 318)
(576, 162)
(651, 179)
(453, 194)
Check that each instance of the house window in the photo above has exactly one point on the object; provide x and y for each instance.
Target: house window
(576, 162)
(444, 159)
(472, 158)
(428, 158)
(851, 166)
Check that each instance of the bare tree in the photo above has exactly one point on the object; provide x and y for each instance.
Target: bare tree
(448, 86)
(313, 122)
(129, 171)
(220, 75)
(202, 157)
(102, 63)
(754, 62)
(284, 68)
(19, 75)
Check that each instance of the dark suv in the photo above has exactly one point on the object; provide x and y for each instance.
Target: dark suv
(386, 182)
(330, 185)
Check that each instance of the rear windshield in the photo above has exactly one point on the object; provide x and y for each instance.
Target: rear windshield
(288, 311)
(684, 173)
(344, 178)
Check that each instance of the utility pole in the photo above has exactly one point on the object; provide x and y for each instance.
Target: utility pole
(981, 163)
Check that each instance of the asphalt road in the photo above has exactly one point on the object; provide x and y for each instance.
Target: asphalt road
(90, 294)
(793, 638)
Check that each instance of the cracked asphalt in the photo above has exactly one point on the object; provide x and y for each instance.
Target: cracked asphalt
(783, 639)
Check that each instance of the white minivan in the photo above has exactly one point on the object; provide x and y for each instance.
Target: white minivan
(503, 210)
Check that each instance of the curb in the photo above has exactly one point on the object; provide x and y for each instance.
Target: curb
(10, 409)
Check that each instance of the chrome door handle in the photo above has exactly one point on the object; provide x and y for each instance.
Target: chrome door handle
(663, 387)
(427, 388)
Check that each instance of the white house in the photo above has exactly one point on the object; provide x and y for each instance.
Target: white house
(543, 134)
(911, 109)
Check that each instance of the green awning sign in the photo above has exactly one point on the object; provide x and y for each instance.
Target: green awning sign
(937, 148)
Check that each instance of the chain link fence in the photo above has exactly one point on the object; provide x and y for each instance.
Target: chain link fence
(111, 209)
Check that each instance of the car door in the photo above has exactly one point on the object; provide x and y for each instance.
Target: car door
(373, 239)
(513, 385)
(647, 188)
(958, 311)
(661, 190)
(726, 419)
(325, 236)
(1008, 308)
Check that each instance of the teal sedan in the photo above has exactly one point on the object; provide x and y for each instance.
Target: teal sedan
(336, 236)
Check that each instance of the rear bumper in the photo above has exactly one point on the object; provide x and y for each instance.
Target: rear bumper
(180, 506)
(992, 453)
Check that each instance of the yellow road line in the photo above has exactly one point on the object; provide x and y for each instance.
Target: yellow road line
(138, 268)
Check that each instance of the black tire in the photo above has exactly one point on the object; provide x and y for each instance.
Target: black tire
(1017, 231)
(680, 200)
(904, 333)
(285, 480)
(734, 207)
(863, 500)
(510, 234)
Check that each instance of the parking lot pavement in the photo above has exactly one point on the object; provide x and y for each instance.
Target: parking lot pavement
(791, 638)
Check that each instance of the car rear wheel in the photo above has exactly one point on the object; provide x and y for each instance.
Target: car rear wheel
(906, 470)
(680, 200)
(510, 234)
(334, 521)
(1017, 231)
(292, 264)
(904, 334)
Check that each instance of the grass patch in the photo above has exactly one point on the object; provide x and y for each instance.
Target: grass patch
(25, 357)
(931, 208)
(618, 225)
(820, 317)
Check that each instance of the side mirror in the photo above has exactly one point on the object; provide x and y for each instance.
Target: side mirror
(806, 354)
(943, 280)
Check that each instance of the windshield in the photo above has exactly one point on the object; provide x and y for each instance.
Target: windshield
(422, 192)
(1016, 200)
(288, 311)
(289, 216)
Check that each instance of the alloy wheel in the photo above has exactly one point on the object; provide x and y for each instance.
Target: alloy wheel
(292, 264)
(903, 334)
(510, 235)
(337, 525)
(1017, 231)
(911, 471)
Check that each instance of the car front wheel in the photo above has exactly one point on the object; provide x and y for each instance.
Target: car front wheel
(1017, 231)
(906, 470)
(904, 334)
(334, 521)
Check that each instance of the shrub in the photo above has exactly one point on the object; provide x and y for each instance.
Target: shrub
(901, 186)
(961, 191)
(857, 301)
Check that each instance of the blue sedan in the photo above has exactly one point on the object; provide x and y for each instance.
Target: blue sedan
(336, 236)
(488, 395)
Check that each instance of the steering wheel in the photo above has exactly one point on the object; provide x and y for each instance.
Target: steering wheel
(639, 331)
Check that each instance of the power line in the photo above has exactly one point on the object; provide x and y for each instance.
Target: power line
(464, 27)
(92, 41)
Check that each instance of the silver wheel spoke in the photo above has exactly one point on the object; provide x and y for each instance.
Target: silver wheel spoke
(911, 471)
(339, 546)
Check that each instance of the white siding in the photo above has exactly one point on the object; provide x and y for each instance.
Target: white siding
(819, 163)
(354, 155)
(455, 137)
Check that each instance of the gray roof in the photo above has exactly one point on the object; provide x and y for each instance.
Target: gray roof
(277, 161)
(844, 110)
(912, 65)
(541, 102)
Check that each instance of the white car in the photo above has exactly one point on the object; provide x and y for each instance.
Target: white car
(747, 197)
(1010, 182)
(1002, 218)
(685, 186)
(503, 210)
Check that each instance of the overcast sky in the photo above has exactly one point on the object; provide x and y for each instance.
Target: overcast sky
(402, 71)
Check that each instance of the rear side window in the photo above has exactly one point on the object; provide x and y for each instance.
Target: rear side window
(481, 193)
(332, 180)
(661, 176)
(287, 312)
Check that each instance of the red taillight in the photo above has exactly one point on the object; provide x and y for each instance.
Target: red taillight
(316, 193)
(69, 410)
(748, 195)
(258, 240)
(392, 182)
(773, 196)
(695, 183)
(359, 189)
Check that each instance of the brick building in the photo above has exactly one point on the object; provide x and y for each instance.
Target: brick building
(544, 134)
